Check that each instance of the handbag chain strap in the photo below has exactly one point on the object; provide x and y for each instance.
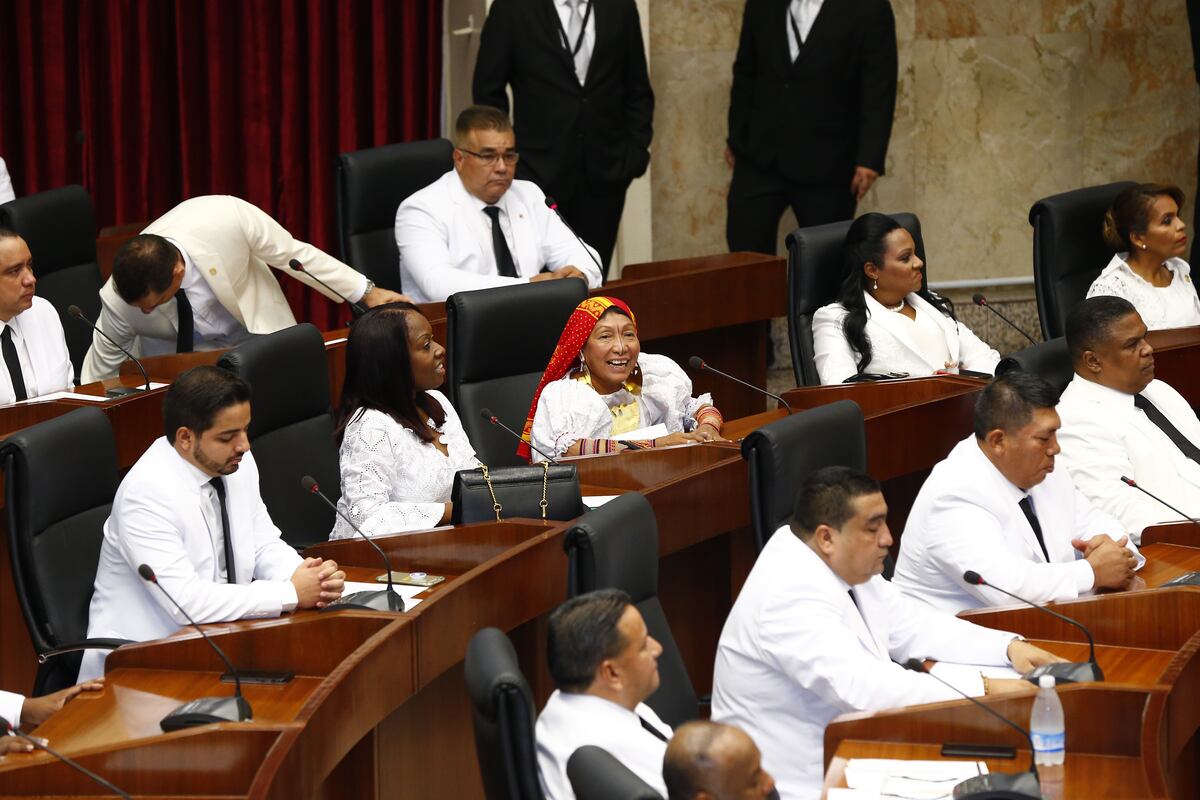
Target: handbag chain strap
(496, 507)
(545, 481)
(488, 480)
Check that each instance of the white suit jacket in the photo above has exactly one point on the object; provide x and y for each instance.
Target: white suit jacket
(41, 331)
(235, 245)
(6, 191)
(967, 517)
(795, 652)
(1104, 436)
(445, 240)
(157, 520)
(10, 707)
(893, 348)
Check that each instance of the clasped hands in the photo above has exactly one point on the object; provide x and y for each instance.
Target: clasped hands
(318, 583)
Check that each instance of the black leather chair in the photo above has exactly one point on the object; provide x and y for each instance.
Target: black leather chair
(814, 275)
(498, 343)
(596, 774)
(60, 479)
(371, 184)
(781, 455)
(60, 228)
(1051, 360)
(616, 547)
(291, 429)
(503, 714)
(1069, 250)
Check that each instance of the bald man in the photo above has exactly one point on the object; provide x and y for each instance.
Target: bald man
(710, 761)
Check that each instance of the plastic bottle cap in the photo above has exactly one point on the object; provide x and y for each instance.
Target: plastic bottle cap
(1046, 682)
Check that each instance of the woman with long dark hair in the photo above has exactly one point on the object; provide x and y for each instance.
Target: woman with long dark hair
(400, 440)
(884, 322)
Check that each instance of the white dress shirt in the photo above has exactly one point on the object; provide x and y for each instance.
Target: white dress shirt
(391, 480)
(164, 516)
(1104, 436)
(804, 12)
(589, 29)
(445, 240)
(37, 335)
(570, 720)
(570, 410)
(10, 707)
(795, 652)
(6, 187)
(894, 348)
(213, 327)
(967, 516)
(1172, 306)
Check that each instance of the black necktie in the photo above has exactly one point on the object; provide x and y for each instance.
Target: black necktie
(186, 341)
(13, 363)
(1027, 507)
(504, 259)
(1160, 419)
(218, 484)
(653, 730)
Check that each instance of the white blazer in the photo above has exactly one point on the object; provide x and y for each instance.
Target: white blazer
(1104, 436)
(445, 240)
(235, 245)
(967, 517)
(893, 348)
(41, 332)
(6, 193)
(157, 519)
(795, 652)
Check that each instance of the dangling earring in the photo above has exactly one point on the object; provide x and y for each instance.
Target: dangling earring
(874, 286)
(1143, 245)
(582, 365)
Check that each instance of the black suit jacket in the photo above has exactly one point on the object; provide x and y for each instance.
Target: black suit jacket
(565, 131)
(815, 120)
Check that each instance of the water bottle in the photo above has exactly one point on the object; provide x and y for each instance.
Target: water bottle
(1047, 725)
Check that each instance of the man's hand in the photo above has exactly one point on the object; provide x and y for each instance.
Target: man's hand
(562, 272)
(1086, 546)
(36, 710)
(1024, 656)
(318, 583)
(1111, 561)
(378, 296)
(863, 179)
(14, 744)
(1009, 686)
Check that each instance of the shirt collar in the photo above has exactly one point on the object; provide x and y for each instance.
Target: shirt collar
(975, 452)
(190, 274)
(198, 476)
(1101, 393)
(599, 705)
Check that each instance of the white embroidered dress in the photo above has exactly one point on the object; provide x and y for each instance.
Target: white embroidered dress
(1173, 306)
(391, 480)
(570, 410)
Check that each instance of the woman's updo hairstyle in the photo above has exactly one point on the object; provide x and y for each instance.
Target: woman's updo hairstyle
(1130, 212)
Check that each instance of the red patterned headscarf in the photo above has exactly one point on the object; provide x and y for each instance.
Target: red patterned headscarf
(566, 353)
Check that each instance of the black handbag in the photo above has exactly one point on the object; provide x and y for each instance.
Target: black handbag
(539, 491)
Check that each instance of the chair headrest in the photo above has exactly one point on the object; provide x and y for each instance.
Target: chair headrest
(491, 666)
(1069, 230)
(373, 183)
(59, 226)
(616, 545)
(288, 375)
(1050, 360)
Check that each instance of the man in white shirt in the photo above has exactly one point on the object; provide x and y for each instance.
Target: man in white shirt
(190, 509)
(1118, 421)
(710, 761)
(997, 506)
(475, 227)
(816, 631)
(201, 277)
(604, 665)
(30, 712)
(34, 349)
(6, 187)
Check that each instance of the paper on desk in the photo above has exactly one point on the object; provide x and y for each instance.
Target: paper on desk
(653, 432)
(966, 676)
(597, 500)
(87, 398)
(409, 593)
(918, 780)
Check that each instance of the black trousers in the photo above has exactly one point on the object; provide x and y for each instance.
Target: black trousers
(757, 199)
(595, 214)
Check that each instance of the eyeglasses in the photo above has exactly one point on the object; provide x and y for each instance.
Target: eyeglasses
(510, 157)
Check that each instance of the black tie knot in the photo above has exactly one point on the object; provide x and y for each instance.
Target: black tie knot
(492, 211)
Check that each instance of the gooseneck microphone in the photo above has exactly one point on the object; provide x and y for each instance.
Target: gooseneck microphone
(376, 599)
(205, 709)
(298, 267)
(696, 362)
(1070, 672)
(982, 302)
(993, 784)
(1188, 578)
(117, 391)
(40, 744)
(552, 204)
(487, 414)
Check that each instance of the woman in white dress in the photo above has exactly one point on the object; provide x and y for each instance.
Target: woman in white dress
(884, 323)
(400, 440)
(1148, 270)
(599, 385)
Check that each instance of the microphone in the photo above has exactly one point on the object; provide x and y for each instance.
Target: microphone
(487, 414)
(373, 600)
(298, 267)
(117, 391)
(982, 302)
(40, 744)
(1189, 578)
(205, 709)
(1076, 672)
(696, 362)
(552, 204)
(994, 784)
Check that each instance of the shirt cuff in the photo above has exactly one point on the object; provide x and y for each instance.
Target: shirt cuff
(1085, 576)
(358, 293)
(289, 597)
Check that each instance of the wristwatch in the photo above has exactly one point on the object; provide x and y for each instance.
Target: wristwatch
(370, 287)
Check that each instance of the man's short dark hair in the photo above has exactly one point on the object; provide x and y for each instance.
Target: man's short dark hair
(197, 396)
(7, 233)
(1090, 323)
(480, 118)
(144, 264)
(827, 498)
(1008, 402)
(688, 765)
(583, 633)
